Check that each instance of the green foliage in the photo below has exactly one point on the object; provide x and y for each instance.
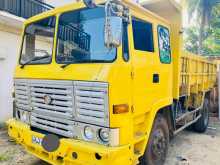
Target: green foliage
(191, 40)
(4, 157)
(201, 8)
(7, 155)
(207, 31)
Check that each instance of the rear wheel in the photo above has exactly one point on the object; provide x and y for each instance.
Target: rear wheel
(202, 124)
(157, 147)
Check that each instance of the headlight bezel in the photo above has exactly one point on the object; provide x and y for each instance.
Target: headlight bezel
(92, 133)
(100, 133)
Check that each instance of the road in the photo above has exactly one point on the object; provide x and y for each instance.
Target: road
(187, 148)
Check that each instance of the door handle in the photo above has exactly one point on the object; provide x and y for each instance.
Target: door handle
(156, 78)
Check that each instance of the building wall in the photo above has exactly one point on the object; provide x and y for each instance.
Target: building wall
(9, 48)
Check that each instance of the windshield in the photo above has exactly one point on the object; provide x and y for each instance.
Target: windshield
(81, 37)
(38, 39)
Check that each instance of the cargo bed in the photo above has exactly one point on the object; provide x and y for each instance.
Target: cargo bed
(197, 74)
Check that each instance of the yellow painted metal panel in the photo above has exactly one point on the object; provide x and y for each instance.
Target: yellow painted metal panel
(63, 156)
(130, 83)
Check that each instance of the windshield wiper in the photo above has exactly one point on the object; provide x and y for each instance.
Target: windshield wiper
(34, 59)
(65, 65)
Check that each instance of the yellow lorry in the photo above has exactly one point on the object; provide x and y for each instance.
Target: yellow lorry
(107, 82)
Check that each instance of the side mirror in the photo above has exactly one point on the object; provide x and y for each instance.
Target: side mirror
(113, 31)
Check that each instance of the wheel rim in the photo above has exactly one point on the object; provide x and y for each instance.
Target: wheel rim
(158, 147)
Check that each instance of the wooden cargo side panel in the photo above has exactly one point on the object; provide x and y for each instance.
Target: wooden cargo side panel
(196, 75)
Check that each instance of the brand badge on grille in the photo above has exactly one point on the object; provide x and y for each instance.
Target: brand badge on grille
(47, 99)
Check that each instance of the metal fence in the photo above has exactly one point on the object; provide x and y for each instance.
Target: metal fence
(24, 8)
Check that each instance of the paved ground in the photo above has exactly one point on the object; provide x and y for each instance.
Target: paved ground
(187, 148)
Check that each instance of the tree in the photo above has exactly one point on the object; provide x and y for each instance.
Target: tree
(203, 9)
(212, 42)
(191, 40)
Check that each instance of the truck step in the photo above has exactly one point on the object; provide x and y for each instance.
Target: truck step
(186, 125)
(187, 114)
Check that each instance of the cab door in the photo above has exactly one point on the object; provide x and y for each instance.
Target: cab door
(152, 80)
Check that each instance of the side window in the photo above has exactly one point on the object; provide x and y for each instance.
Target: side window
(143, 35)
(125, 45)
(164, 44)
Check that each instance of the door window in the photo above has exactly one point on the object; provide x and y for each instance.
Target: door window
(143, 35)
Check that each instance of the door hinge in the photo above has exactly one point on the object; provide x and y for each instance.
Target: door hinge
(132, 75)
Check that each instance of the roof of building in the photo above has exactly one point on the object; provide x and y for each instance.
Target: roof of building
(164, 8)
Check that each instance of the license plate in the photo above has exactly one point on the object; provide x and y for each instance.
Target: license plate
(36, 140)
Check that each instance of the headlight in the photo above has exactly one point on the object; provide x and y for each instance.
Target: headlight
(88, 133)
(25, 116)
(99, 135)
(104, 135)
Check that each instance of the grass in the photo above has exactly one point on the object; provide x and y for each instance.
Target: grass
(4, 157)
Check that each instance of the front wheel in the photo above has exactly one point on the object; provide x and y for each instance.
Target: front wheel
(158, 143)
(202, 124)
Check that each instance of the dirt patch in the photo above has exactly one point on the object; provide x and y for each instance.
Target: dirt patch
(190, 148)
(187, 148)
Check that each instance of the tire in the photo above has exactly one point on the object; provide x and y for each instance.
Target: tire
(156, 151)
(202, 124)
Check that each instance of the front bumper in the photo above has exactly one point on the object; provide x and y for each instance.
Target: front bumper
(86, 152)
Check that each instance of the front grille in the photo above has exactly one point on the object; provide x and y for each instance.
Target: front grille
(56, 125)
(91, 101)
(22, 95)
(71, 101)
(62, 98)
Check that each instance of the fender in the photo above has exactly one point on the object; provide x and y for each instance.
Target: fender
(150, 117)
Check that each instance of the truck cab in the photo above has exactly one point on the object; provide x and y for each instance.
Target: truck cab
(99, 83)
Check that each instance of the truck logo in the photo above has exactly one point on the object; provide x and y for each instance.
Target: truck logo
(48, 99)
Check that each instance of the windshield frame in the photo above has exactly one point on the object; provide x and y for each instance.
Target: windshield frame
(23, 40)
(77, 62)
